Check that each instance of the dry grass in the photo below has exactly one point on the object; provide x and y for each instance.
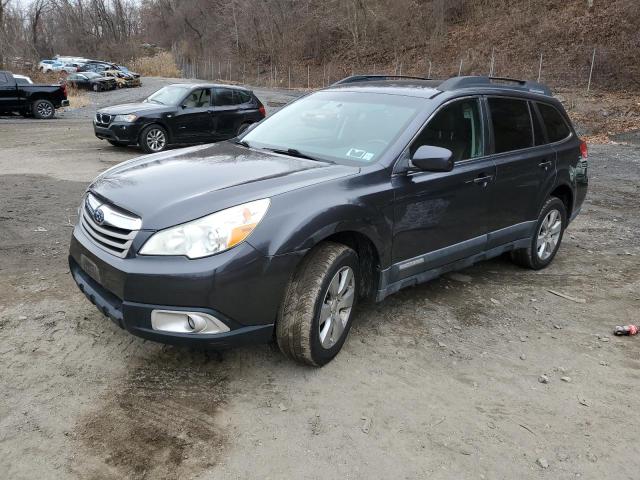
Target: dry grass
(77, 98)
(162, 64)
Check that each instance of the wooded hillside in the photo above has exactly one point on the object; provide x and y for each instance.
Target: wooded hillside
(440, 37)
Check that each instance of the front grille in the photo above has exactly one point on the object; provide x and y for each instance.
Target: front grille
(109, 228)
(104, 119)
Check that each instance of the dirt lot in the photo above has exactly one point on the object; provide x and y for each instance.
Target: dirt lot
(439, 381)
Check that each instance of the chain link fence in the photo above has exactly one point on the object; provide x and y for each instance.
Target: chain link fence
(589, 68)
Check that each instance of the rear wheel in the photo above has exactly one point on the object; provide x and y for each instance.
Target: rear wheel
(242, 128)
(315, 316)
(43, 109)
(154, 139)
(552, 222)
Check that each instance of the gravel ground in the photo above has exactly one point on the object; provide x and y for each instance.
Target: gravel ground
(439, 381)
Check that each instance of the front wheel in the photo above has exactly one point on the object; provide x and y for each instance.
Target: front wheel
(315, 316)
(552, 222)
(153, 139)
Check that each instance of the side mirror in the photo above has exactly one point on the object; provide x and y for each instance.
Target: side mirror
(432, 159)
(184, 106)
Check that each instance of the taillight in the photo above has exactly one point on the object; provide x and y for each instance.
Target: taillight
(64, 89)
(262, 111)
(584, 151)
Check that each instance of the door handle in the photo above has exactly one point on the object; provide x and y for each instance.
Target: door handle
(545, 165)
(483, 180)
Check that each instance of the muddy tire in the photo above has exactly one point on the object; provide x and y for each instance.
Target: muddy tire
(546, 240)
(43, 109)
(317, 311)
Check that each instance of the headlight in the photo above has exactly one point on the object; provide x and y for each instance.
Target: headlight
(125, 118)
(208, 235)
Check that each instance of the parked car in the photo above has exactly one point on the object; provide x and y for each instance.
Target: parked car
(180, 114)
(97, 66)
(122, 79)
(46, 63)
(282, 230)
(59, 67)
(91, 81)
(124, 69)
(38, 100)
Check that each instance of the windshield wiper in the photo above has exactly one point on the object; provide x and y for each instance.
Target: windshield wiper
(292, 152)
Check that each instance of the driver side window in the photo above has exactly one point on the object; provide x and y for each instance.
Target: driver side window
(456, 127)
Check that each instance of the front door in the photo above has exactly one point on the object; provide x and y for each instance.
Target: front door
(8, 93)
(441, 217)
(192, 122)
(526, 168)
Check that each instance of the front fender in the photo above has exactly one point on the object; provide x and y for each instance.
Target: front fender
(299, 220)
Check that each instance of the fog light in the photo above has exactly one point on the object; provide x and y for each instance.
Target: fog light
(186, 322)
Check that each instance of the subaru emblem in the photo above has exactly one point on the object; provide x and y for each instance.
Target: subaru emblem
(98, 216)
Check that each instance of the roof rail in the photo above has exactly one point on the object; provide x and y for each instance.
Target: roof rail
(373, 78)
(456, 83)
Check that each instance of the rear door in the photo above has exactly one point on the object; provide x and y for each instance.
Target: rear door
(441, 217)
(228, 112)
(525, 168)
(192, 121)
(8, 92)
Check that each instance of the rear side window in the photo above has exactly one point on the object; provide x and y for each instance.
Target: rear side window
(557, 128)
(3, 78)
(511, 124)
(242, 97)
(223, 97)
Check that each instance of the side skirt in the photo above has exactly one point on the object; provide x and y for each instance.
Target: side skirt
(387, 288)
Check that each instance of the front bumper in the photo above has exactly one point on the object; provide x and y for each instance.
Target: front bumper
(240, 287)
(120, 132)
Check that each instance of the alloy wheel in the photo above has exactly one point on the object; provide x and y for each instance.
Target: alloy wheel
(549, 234)
(156, 139)
(336, 307)
(45, 110)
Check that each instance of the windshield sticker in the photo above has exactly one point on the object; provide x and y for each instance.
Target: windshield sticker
(359, 154)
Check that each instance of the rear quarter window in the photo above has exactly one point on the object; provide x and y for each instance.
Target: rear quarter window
(554, 122)
(511, 123)
(242, 97)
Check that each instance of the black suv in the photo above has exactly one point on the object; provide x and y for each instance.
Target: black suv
(180, 114)
(352, 192)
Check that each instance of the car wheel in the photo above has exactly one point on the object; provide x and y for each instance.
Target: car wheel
(550, 227)
(315, 316)
(242, 128)
(117, 144)
(153, 139)
(43, 109)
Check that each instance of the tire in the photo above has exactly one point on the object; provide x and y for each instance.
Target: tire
(43, 109)
(539, 255)
(242, 128)
(154, 139)
(300, 324)
(117, 144)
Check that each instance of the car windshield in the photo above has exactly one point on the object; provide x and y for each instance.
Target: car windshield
(351, 128)
(170, 95)
(91, 75)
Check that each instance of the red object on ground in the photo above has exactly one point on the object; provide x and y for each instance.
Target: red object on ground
(626, 330)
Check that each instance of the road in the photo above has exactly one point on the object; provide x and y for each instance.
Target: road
(439, 381)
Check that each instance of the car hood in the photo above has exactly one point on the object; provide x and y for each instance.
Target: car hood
(138, 108)
(169, 188)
